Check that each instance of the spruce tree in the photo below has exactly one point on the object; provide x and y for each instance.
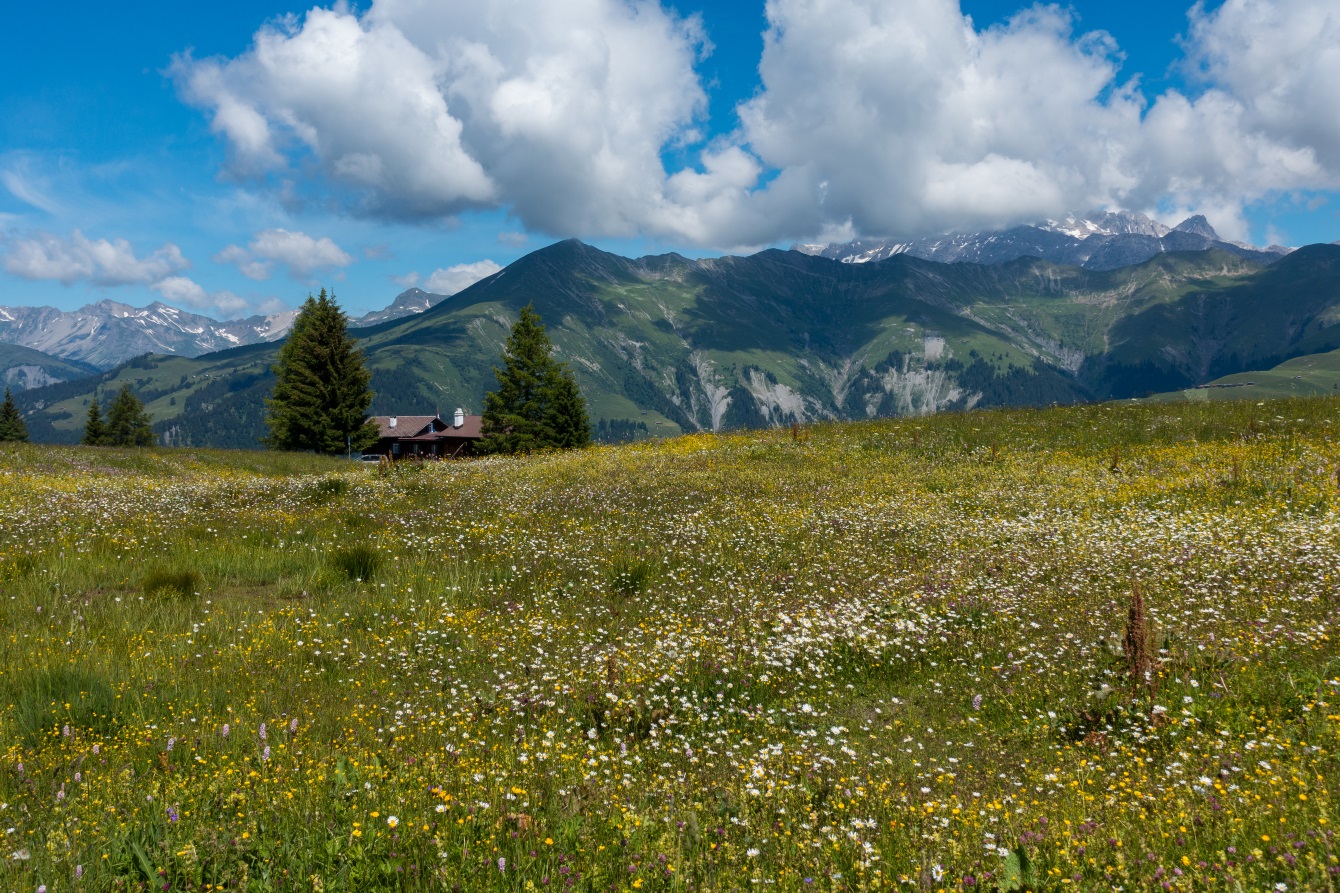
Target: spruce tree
(537, 404)
(12, 427)
(569, 425)
(321, 396)
(128, 423)
(95, 430)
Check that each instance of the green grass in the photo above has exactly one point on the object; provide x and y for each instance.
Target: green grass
(56, 701)
(1314, 375)
(873, 655)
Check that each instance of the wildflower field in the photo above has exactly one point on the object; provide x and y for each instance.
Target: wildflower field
(1090, 648)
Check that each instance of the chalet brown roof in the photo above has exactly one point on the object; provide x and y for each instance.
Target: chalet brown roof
(473, 426)
(405, 425)
(427, 428)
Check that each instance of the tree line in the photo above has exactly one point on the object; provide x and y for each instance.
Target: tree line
(126, 424)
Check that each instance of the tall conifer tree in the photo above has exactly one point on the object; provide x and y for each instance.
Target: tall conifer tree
(128, 423)
(538, 404)
(12, 427)
(321, 396)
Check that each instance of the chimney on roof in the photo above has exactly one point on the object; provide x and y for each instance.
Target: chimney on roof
(459, 419)
(392, 423)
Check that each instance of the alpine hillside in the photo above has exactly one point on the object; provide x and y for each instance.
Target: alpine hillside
(22, 368)
(666, 344)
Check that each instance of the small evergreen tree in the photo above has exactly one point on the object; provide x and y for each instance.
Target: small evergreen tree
(321, 396)
(128, 424)
(538, 404)
(95, 430)
(12, 427)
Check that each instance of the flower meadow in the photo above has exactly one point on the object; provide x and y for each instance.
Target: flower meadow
(1089, 648)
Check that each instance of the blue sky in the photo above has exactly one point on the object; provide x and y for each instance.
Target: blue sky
(152, 152)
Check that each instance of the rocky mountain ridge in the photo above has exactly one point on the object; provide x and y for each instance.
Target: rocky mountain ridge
(108, 333)
(1105, 240)
(407, 303)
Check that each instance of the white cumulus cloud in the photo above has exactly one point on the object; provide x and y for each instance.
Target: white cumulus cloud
(113, 262)
(450, 280)
(902, 118)
(183, 291)
(300, 253)
(1265, 120)
(872, 117)
(78, 258)
(421, 109)
(459, 277)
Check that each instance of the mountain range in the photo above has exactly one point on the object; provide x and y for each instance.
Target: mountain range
(103, 335)
(108, 333)
(666, 344)
(1104, 240)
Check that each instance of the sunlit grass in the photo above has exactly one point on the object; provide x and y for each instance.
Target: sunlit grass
(880, 655)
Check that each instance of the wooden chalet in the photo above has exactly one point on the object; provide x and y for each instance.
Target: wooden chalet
(425, 436)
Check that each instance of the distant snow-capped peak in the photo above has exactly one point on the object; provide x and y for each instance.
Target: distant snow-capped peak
(1105, 223)
(107, 333)
(1100, 240)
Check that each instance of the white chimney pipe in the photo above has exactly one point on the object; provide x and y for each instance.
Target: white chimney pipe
(459, 420)
(392, 425)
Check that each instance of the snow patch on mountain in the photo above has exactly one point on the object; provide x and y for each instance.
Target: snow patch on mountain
(107, 333)
(1102, 240)
(408, 303)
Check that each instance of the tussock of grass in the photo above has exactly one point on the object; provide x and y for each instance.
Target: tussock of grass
(171, 582)
(44, 701)
(17, 566)
(357, 562)
(629, 576)
(326, 489)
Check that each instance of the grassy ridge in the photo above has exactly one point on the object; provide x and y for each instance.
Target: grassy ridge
(877, 655)
(1309, 376)
(23, 367)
